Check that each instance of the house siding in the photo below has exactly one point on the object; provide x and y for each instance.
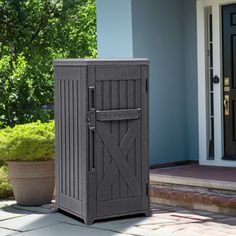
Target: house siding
(160, 32)
(191, 81)
(114, 27)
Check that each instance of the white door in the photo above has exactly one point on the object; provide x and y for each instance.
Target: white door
(212, 89)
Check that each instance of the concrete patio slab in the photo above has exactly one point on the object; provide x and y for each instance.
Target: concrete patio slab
(49, 208)
(165, 221)
(34, 221)
(10, 213)
(68, 229)
(7, 203)
(126, 226)
(5, 232)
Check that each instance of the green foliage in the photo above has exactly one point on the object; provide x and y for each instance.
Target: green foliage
(32, 34)
(5, 186)
(28, 142)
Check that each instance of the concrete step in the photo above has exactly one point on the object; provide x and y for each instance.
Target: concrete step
(197, 194)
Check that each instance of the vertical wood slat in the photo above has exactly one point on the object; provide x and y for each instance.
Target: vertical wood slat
(67, 124)
(138, 141)
(63, 133)
(76, 143)
(71, 139)
(83, 140)
(107, 106)
(80, 104)
(99, 150)
(115, 132)
(131, 104)
(123, 130)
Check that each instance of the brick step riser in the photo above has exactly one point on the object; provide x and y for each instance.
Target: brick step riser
(179, 187)
(194, 198)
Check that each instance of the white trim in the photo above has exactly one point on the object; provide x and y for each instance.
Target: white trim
(218, 96)
(217, 65)
(202, 110)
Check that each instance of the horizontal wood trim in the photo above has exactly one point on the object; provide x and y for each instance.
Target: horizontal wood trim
(99, 62)
(128, 114)
(120, 206)
(118, 73)
(69, 203)
(70, 72)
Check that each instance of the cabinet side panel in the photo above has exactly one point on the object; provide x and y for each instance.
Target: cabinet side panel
(71, 108)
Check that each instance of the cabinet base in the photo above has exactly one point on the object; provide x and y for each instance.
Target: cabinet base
(92, 220)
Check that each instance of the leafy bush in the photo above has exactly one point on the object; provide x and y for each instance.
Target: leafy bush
(28, 142)
(5, 186)
(32, 34)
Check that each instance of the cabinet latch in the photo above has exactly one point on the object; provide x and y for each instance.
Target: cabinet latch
(90, 119)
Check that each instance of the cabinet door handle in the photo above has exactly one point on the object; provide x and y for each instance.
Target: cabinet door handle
(91, 150)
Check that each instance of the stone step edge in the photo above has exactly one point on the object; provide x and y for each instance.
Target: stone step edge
(193, 197)
(215, 184)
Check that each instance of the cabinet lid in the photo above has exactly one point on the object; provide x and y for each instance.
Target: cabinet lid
(84, 62)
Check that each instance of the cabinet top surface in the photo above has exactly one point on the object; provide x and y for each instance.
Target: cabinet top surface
(84, 62)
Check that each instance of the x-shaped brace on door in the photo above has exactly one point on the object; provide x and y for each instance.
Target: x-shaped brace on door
(118, 155)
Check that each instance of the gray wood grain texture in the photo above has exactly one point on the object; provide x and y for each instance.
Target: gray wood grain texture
(121, 139)
(57, 88)
(68, 136)
(63, 137)
(92, 175)
(117, 182)
(100, 62)
(131, 103)
(83, 97)
(145, 143)
(76, 142)
(115, 131)
(118, 73)
(123, 130)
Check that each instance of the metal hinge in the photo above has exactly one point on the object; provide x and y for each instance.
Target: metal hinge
(147, 189)
(146, 85)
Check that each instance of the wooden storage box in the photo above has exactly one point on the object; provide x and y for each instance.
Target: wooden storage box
(101, 115)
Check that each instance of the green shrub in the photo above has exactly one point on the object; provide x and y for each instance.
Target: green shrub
(5, 186)
(28, 142)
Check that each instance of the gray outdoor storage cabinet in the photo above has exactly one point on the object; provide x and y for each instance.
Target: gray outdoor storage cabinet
(101, 137)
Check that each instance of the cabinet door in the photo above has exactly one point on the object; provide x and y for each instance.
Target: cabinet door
(121, 157)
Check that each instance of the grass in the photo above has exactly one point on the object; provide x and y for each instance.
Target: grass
(5, 186)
